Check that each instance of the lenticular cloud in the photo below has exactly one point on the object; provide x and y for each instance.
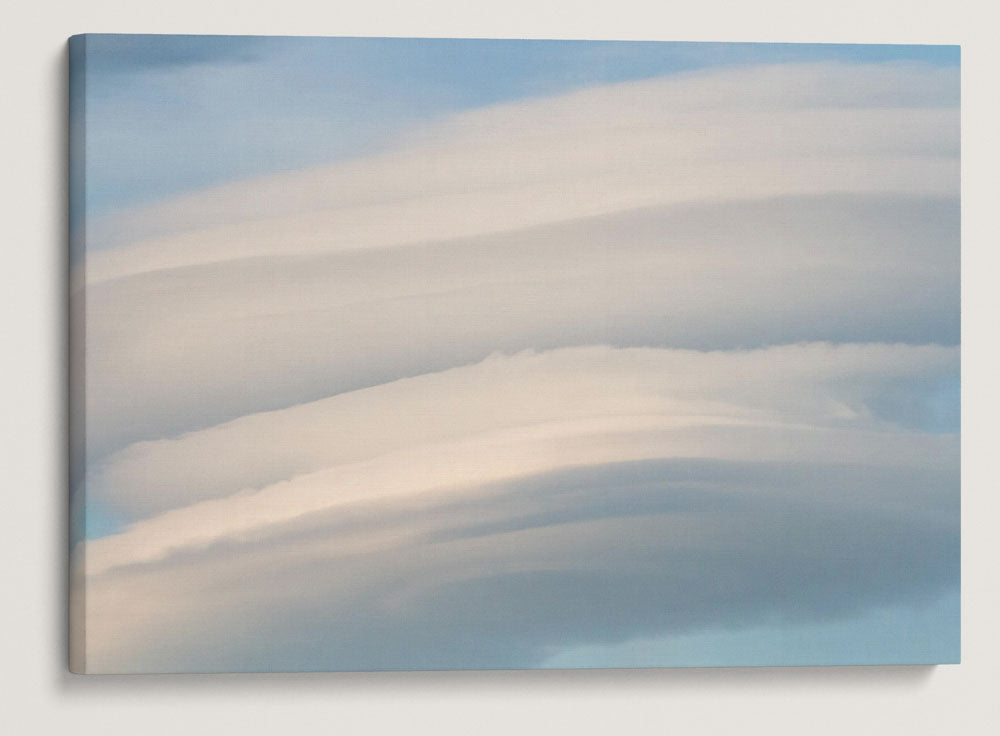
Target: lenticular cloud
(633, 361)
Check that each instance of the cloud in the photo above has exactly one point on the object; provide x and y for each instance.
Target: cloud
(634, 361)
(247, 106)
(715, 209)
(139, 53)
(173, 350)
(506, 577)
(561, 408)
(427, 498)
(791, 130)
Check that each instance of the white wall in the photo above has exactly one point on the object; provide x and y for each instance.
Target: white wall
(37, 694)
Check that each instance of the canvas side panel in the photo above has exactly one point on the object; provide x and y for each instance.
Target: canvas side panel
(77, 363)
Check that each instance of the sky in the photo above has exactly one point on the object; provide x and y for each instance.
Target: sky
(424, 353)
(241, 106)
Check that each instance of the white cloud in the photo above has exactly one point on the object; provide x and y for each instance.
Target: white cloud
(707, 136)
(378, 475)
(712, 210)
(576, 400)
(174, 350)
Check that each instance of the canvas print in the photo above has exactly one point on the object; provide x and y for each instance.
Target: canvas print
(482, 354)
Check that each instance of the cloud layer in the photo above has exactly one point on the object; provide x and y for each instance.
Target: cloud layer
(628, 362)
